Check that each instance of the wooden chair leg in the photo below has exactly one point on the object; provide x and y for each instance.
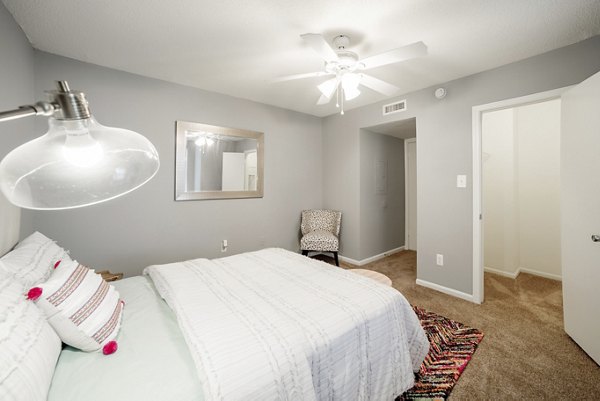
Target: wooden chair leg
(335, 256)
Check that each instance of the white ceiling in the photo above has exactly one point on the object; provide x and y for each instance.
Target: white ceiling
(236, 46)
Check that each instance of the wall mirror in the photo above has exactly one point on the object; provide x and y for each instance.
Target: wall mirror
(213, 162)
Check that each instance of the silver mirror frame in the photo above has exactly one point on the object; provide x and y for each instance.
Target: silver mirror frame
(181, 127)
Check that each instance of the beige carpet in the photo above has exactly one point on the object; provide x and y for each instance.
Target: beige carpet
(525, 354)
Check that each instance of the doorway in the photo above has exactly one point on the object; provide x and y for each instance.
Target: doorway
(387, 189)
(521, 190)
(511, 259)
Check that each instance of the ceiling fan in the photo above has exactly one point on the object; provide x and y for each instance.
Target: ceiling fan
(347, 69)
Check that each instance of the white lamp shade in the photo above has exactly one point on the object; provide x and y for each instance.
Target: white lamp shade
(351, 80)
(77, 163)
(351, 93)
(328, 87)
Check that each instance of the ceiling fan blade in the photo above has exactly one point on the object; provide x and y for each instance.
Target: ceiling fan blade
(299, 76)
(379, 86)
(414, 50)
(323, 100)
(320, 45)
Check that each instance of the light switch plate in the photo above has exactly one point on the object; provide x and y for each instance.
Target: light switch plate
(461, 181)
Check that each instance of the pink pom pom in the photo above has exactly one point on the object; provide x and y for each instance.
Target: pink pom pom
(34, 293)
(57, 263)
(110, 348)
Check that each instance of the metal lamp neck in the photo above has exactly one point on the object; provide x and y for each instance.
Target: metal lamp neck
(63, 104)
(69, 104)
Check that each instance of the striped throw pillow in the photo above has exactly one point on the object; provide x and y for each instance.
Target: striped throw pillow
(84, 310)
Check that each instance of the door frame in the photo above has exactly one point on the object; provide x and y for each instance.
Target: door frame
(406, 214)
(477, 114)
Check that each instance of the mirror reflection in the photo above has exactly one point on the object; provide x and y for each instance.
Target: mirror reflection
(217, 162)
(220, 163)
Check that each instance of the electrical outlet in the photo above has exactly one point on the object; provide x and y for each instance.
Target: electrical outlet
(461, 181)
(224, 245)
(439, 259)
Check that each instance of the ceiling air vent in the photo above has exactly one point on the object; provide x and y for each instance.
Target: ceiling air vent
(394, 107)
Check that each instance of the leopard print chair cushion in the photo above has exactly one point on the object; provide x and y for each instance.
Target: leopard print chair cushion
(320, 230)
(320, 241)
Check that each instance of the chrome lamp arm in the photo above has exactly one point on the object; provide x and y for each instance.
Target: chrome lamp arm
(38, 109)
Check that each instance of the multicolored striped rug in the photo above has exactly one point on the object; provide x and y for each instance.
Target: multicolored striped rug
(452, 345)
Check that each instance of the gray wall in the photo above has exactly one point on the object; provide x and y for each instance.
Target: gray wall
(16, 89)
(444, 132)
(381, 213)
(341, 177)
(147, 226)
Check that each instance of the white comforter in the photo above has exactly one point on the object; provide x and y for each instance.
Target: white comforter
(274, 325)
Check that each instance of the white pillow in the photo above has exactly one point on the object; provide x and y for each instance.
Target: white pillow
(29, 347)
(84, 310)
(33, 260)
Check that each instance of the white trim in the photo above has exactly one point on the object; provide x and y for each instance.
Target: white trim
(541, 274)
(477, 219)
(502, 273)
(349, 260)
(520, 270)
(372, 258)
(406, 214)
(477, 210)
(446, 290)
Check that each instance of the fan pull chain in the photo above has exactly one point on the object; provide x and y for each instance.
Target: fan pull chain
(342, 96)
(337, 96)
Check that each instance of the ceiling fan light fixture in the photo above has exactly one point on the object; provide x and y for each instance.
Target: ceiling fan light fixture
(348, 68)
(351, 93)
(328, 87)
(205, 139)
(350, 81)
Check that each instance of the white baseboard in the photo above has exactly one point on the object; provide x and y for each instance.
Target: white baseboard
(349, 260)
(372, 258)
(541, 274)
(446, 290)
(502, 273)
(523, 270)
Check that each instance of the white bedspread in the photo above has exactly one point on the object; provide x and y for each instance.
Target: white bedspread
(275, 325)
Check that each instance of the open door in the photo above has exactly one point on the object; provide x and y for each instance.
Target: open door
(580, 216)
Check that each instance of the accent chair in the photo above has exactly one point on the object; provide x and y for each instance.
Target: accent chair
(320, 232)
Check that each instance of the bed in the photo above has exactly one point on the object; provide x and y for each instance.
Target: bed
(152, 362)
(265, 325)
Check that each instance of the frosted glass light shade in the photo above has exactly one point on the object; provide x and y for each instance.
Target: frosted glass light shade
(350, 82)
(351, 93)
(77, 163)
(328, 87)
